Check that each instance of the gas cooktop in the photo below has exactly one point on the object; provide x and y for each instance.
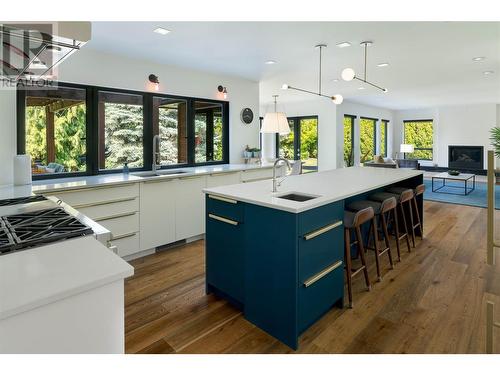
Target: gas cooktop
(22, 200)
(30, 229)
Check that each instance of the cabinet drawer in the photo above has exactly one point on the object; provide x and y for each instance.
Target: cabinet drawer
(120, 224)
(256, 174)
(127, 244)
(225, 207)
(98, 195)
(319, 293)
(320, 248)
(121, 206)
(311, 220)
(222, 179)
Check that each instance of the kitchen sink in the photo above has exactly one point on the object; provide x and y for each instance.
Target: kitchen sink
(158, 173)
(297, 197)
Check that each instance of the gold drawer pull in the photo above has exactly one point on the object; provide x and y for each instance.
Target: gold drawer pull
(100, 203)
(122, 236)
(117, 216)
(322, 274)
(223, 219)
(216, 197)
(320, 231)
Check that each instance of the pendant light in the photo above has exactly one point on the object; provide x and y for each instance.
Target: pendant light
(337, 99)
(348, 74)
(275, 122)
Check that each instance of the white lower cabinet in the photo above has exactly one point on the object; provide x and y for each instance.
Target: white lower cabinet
(189, 207)
(221, 179)
(256, 174)
(157, 217)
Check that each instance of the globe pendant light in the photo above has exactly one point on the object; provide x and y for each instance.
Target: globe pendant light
(337, 99)
(348, 74)
(275, 122)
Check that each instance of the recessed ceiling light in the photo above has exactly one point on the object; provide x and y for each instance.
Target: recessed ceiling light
(488, 72)
(361, 88)
(343, 44)
(270, 62)
(382, 65)
(479, 58)
(161, 30)
(335, 80)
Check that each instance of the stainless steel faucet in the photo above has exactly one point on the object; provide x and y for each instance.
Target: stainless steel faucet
(276, 183)
(156, 153)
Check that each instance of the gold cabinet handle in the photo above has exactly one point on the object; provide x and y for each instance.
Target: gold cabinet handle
(101, 203)
(322, 274)
(117, 216)
(216, 197)
(320, 231)
(122, 236)
(223, 219)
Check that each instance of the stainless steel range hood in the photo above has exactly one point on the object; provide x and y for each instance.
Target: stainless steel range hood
(34, 50)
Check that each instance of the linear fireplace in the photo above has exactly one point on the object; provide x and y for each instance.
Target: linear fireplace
(465, 157)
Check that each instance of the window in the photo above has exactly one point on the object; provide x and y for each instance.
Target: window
(286, 146)
(348, 140)
(208, 132)
(367, 138)
(383, 137)
(72, 129)
(55, 130)
(420, 134)
(170, 123)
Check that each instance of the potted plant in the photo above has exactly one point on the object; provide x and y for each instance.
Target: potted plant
(256, 153)
(247, 153)
(495, 142)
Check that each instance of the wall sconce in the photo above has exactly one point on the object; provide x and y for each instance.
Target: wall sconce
(155, 81)
(222, 90)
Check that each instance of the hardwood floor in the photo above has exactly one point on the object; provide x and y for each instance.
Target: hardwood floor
(432, 302)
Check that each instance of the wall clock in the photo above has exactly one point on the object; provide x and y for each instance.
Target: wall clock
(246, 116)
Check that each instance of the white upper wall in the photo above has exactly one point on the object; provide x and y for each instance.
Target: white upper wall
(103, 69)
(467, 125)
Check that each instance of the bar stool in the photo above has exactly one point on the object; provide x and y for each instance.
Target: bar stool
(353, 221)
(380, 209)
(419, 190)
(404, 197)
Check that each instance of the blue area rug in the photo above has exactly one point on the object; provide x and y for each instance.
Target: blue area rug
(476, 198)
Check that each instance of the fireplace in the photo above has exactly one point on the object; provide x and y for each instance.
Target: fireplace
(465, 157)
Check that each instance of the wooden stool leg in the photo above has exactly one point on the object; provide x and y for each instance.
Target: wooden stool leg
(396, 228)
(348, 263)
(419, 223)
(386, 238)
(361, 252)
(412, 225)
(405, 226)
(373, 226)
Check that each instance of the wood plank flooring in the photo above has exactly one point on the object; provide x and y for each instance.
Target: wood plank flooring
(432, 302)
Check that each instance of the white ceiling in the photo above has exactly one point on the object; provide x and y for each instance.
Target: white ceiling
(430, 62)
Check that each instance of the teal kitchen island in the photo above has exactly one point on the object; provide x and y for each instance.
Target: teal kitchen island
(279, 257)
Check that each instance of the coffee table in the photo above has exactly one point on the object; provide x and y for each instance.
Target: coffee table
(463, 177)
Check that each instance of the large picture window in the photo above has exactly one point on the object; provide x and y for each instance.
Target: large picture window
(383, 137)
(121, 130)
(55, 130)
(367, 139)
(71, 129)
(348, 140)
(420, 134)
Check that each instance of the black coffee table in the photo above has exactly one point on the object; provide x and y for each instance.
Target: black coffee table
(464, 177)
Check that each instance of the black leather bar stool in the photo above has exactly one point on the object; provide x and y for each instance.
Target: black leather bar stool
(353, 222)
(419, 190)
(380, 209)
(402, 198)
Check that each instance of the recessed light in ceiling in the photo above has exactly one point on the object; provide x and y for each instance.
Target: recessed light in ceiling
(479, 58)
(488, 72)
(335, 80)
(382, 65)
(361, 88)
(161, 30)
(343, 44)
(270, 62)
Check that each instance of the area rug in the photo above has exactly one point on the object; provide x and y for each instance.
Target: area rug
(476, 198)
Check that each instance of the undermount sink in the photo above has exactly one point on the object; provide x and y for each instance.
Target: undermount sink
(158, 173)
(297, 197)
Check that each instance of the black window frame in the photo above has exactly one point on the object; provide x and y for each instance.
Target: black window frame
(374, 132)
(431, 149)
(353, 118)
(92, 129)
(296, 140)
(384, 124)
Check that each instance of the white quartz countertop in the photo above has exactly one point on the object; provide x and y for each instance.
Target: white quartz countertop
(328, 186)
(42, 275)
(43, 186)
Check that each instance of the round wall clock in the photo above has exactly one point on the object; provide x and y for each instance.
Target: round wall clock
(246, 116)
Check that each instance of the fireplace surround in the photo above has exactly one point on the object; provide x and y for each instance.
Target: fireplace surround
(465, 157)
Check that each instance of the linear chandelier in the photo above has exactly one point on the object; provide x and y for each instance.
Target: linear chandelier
(337, 99)
(348, 74)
